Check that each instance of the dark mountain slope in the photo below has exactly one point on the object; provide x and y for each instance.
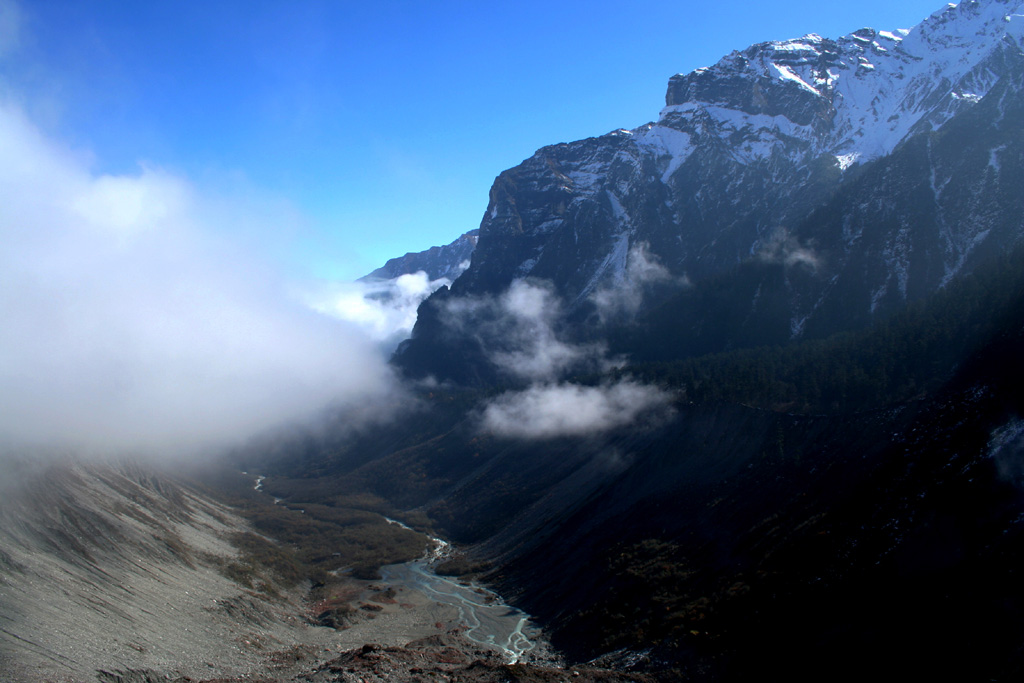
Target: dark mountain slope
(816, 248)
(896, 360)
(734, 541)
(938, 206)
(825, 546)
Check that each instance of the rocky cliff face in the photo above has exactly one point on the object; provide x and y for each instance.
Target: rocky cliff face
(872, 169)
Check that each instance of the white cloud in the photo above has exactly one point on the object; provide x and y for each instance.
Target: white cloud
(530, 347)
(624, 296)
(558, 410)
(519, 332)
(385, 309)
(130, 322)
(124, 205)
(784, 248)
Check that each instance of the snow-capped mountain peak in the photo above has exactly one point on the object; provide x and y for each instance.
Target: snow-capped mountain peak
(856, 97)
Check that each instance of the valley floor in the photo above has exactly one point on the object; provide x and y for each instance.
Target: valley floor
(102, 571)
(113, 575)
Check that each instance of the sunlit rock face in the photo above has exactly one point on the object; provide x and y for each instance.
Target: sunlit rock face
(813, 184)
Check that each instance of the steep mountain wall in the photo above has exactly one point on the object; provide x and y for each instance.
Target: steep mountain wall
(874, 168)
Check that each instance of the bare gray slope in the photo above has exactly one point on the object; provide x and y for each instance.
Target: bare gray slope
(116, 569)
(106, 568)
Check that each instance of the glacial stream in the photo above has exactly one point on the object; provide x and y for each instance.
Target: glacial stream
(489, 621)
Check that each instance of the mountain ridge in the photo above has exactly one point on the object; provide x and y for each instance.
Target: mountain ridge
(443, 262)
(750, 162)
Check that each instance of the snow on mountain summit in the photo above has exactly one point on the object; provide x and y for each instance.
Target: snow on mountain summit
(856, 97)
(709, 182)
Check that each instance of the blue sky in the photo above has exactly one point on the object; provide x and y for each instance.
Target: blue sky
(378, 127)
